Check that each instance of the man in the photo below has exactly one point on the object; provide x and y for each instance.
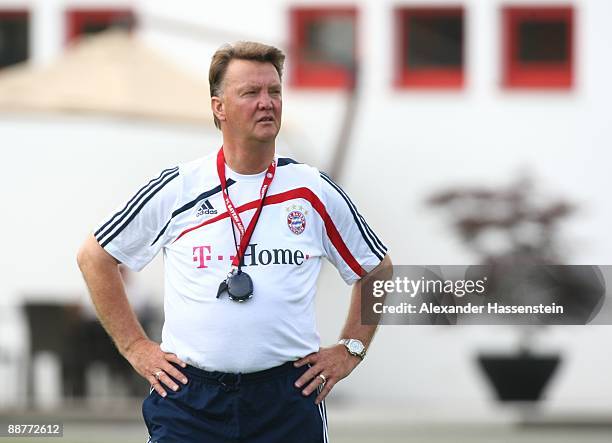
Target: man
(243, 232)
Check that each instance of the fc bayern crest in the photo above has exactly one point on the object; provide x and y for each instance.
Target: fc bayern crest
(296, 222)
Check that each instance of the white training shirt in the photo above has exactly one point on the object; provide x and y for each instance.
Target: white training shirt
(306, 217)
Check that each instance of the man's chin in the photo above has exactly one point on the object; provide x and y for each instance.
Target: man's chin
(266, 136)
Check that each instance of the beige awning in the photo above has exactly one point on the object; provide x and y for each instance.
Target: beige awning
(110, 73)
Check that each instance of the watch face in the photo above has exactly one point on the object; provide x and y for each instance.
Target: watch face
(356, 347)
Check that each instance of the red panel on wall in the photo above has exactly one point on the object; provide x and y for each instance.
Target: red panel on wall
(323, 47)
(89, 21)
(429, 47)
(538, 47)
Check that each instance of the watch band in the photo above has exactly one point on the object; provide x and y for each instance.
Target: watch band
(354, 347)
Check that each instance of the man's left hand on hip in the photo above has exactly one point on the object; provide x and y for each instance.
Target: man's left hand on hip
(328, 367)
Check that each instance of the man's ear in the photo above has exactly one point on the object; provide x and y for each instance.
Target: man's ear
(218, 108)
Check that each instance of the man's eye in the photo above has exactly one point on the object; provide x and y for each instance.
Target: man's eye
(249, 93)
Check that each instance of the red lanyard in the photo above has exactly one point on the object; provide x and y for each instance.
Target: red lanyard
(245, 234)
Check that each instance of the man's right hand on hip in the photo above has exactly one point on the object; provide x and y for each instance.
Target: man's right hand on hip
(153, 364)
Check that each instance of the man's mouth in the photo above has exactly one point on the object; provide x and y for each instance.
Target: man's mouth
(266, 119)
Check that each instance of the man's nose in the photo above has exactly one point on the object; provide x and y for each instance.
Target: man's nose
(265, 101)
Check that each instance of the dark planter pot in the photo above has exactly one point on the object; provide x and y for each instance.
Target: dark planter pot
(520, 377)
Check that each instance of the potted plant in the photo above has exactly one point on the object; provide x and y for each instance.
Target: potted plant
(513, 228)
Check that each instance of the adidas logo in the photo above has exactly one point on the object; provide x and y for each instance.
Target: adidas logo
(206, 209)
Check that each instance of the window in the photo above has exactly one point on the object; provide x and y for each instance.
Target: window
(538, 47)
(14, 37)
(87, 22)
(323, 48)
(430, 49)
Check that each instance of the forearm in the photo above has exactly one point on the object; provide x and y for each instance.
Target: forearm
(353, 327)
(101, 274)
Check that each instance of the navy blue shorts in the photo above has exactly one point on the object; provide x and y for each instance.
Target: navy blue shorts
(216, 407)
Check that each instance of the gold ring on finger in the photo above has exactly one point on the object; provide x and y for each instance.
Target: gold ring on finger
(323, 378)
(158, 374)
